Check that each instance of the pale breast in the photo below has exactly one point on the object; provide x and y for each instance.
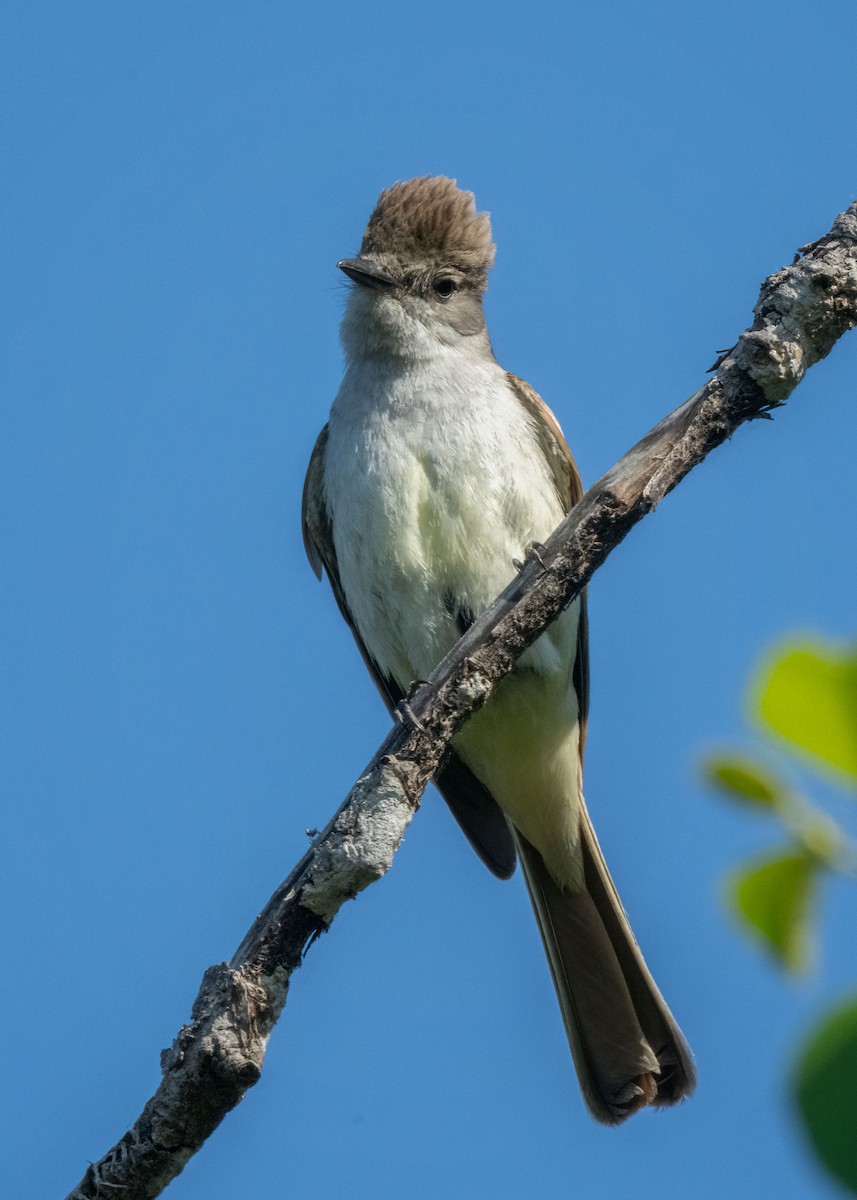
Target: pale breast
(435, 483)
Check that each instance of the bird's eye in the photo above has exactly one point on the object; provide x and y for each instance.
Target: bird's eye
(445, 288)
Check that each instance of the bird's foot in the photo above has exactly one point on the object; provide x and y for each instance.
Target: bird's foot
(403, 712)
(532, 553)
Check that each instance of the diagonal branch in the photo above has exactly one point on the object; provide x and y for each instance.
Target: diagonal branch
(801, 312)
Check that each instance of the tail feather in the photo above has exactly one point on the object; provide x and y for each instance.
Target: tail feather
(677, 1071)
(627, 1049)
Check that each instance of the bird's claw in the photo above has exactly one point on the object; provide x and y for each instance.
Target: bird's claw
(404, 714)
(532, 553)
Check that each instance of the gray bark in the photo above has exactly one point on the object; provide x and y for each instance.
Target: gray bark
(801, 312)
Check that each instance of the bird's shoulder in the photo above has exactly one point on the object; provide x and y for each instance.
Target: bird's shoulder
(551, 441)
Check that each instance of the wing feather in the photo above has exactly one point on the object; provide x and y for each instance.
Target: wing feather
(570, 489)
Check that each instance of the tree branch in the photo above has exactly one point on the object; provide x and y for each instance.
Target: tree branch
(801, 312)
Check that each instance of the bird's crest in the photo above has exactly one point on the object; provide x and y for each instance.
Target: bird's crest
(429, 220)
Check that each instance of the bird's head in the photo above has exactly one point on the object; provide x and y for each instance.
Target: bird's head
(421, 272)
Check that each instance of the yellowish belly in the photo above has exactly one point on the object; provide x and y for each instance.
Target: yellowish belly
(524, 747)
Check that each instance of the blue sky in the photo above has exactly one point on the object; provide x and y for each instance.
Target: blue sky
(181, 700)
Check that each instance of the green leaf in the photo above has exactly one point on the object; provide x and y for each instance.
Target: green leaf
(744, 779)
(808, 695)
(773, 899)
(824, 1090)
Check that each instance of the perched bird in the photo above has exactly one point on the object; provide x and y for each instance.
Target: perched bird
(436, 470)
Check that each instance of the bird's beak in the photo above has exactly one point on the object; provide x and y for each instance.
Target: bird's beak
(364, 271)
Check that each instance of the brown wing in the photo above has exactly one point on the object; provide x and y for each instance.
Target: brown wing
(318, 543)
(471, 804)
(570, 489)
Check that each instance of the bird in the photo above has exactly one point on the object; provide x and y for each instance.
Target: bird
(436, 471)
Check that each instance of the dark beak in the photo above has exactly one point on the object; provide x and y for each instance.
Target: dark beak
(367, 273)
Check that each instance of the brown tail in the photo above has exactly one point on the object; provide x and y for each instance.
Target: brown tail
(627, 1049)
